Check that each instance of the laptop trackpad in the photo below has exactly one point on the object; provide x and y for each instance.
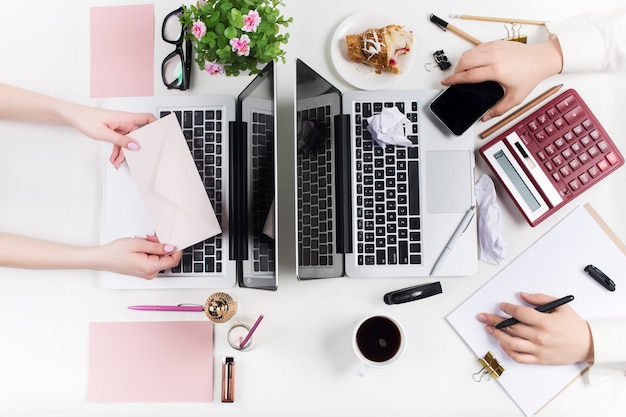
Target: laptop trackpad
(448, 181)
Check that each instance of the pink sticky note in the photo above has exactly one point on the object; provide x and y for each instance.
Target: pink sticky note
(151, 362)
(122, 51)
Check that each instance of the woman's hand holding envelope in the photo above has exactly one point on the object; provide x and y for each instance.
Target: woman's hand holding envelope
(140, 257)
(100, 124)
(109, 126)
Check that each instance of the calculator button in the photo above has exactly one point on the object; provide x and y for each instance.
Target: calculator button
(586, 140)
(543, 119)
(575, 164)
(559, 123)
(573, 115)
(565, 104)
(593, 151)
(541, 155)
(576, 147)
(556, 176)
(565, 171)
(533, 126)
(603, 165)
(567, 153)
(584, 158)
(558, 160)
(578, 130)
(552, 112)
(587, 124)
(603, 146)
(595, 135)
(541, 136)
(594, 171)
(584, 178)
(560, 142)
(550, 130)
(550, 150)
(549, 166)
(612, 158)
(574, 185)
(568, 136)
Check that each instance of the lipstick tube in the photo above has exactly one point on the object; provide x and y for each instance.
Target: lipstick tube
(228, 379)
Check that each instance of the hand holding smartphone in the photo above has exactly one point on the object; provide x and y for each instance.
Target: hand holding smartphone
(460, 105)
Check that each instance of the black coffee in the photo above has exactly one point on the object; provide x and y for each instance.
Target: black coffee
(378, 339)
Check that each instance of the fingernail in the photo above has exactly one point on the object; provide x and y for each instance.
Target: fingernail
(169, 248)
(133, 146)
(489, 329)
(486, 117)
(482, 318)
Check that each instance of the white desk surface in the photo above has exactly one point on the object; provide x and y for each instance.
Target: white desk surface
(50, 188)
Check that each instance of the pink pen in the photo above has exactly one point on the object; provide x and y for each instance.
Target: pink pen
(180, 307)
(245, 341)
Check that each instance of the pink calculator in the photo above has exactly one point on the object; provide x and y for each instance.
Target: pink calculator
(552, 156)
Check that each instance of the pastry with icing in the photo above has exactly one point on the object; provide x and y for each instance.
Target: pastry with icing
(380, 47)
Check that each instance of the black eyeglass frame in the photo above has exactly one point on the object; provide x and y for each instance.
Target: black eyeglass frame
(185, 56)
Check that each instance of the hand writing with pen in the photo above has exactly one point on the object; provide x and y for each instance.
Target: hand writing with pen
(559, 338)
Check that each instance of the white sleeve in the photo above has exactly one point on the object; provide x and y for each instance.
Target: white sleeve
(592, 42)
(609, 345)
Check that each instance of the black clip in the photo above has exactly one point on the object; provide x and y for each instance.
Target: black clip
(441, 60)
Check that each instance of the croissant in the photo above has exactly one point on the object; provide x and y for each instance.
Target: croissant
(379, 48)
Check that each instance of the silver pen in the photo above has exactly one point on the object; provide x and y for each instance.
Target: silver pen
(460, 229)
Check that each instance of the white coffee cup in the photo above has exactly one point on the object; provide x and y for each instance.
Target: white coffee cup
(378, 342)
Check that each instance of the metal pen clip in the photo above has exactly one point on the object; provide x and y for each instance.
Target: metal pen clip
(469, 221)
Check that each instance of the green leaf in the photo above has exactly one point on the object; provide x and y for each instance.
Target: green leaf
(230, 32)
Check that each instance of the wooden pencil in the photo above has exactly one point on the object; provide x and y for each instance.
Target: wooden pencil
(497, 19)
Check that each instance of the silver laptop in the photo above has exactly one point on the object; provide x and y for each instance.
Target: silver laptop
(233, 143)
(364, 210)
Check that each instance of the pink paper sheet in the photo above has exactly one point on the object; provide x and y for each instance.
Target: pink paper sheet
(151, 361)
(122, 51)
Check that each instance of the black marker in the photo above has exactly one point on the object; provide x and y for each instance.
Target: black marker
(601, 277)
(542, 309)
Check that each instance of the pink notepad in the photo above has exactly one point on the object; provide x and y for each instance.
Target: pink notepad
(122, 51)
(151, 362)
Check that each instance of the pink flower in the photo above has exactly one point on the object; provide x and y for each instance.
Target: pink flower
(241, 45)
(214, 68)
(251, 21)
(198, 29)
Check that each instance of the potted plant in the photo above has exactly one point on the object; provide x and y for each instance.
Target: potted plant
(231, 36)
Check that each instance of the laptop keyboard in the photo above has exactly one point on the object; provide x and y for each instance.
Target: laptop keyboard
(388, 216)
(262, 175)
(315, 192)
(203, 131)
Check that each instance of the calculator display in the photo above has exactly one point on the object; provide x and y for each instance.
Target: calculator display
(517, 180)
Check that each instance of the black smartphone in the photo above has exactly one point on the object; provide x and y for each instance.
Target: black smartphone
(460, 105)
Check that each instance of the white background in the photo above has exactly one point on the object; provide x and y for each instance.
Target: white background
(50, 188)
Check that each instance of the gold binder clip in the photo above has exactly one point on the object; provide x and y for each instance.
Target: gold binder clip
(491, 368)
(513, 33)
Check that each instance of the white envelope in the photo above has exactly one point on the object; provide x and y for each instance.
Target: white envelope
(169, 184)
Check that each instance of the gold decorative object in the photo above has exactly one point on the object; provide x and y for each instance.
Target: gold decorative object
(220, 307)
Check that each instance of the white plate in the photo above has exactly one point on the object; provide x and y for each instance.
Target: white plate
(360, 75)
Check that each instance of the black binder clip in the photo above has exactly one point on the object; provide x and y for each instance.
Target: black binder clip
(441, 60)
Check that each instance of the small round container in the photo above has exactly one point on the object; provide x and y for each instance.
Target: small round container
(239, 331)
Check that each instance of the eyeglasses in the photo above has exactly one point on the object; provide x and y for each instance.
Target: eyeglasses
(176, 67)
